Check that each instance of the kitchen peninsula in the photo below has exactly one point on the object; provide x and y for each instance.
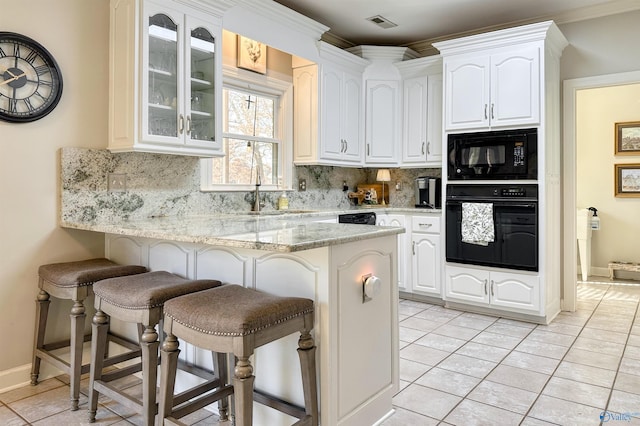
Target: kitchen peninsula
(290, 254)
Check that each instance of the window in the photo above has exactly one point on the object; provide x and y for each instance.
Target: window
(255, 140)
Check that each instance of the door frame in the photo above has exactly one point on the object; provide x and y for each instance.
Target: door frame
(570, 252)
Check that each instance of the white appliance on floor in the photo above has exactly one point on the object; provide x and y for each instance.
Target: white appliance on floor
(583, 232)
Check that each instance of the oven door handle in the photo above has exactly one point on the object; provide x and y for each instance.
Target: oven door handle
(496, 204)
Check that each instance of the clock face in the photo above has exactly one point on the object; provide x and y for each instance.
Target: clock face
(30, 80)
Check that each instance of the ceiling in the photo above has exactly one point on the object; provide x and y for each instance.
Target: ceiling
(420, 21)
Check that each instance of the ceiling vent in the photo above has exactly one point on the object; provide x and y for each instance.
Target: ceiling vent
(382, 22)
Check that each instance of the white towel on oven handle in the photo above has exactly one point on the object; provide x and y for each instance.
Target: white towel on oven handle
(477, 223)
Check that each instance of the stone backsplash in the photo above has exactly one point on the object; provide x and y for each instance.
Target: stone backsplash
(168, 185)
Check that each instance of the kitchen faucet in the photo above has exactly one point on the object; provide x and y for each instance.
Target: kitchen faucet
(256, 203)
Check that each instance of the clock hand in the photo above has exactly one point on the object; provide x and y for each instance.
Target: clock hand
(9, 80)
(12, 74)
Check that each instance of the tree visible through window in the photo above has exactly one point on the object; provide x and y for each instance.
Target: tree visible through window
(250, 140)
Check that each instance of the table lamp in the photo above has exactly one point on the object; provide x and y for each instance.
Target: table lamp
(383, 176)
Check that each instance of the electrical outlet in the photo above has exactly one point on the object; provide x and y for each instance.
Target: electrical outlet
(398, 186)
(302, 185)
(117, 182)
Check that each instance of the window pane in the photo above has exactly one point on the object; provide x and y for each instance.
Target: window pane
(244, 160)
(249, 114)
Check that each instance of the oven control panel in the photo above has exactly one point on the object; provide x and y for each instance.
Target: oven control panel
(510, 192)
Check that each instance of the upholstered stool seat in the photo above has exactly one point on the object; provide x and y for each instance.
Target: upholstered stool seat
(136, 299)
(72, 281)
(236, 320)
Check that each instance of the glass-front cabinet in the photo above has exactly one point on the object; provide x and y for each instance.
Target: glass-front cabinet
(178, 79)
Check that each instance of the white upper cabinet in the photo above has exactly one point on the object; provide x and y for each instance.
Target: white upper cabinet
(329, 111)
(500, 79)
(421, 112)
(165, 75)
(383, 122)
(501, 89)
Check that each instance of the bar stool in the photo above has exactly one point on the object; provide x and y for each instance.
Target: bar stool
(136, 299)
(71, 281)
(236, 320)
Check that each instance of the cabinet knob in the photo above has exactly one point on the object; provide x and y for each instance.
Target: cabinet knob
(346, 145)
(426, 225)
(485, 287)
(188, 124)
(422, 148)
(485, 112)
(428, 147)
(180, 123)
(492, 117)
(492, 287)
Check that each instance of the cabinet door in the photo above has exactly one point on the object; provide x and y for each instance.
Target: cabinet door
(352, 128)
(332, 145)
(515, 291)
(305, 119)
(403, 259)
(426, 263)
(201, 97)
(434, 120)
(515, 87)
(161, 101)
(382, 122)
(465, 284)
(414, 137)
(466, 92)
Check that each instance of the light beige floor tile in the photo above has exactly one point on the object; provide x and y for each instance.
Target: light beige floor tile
(498, 340)
(436, 316)
(456, 331)
(594, 359)
(582, 393)
(503, 396)
(79, 417)
(558, 327)
(9, 418)
(563, 412)
(605, 335)
(472, 413)
(409, 310)
(426, 401)
(632, 352)
(608, 325)
(516, 323)
(467, 365)
(594, 345)
(530, 421)
(518, 377)
(586, 374)
(486, 352)
(634, 340)
(630, 365)
(44, 404)
(624, 402)
(508, 329)
(438, 341)
(578, 318)
(403, 384)
(410, 334)
(419, 324)
(469, 322)
(627, 383)
(539, 335)
(403, 417)
(531, 362)
(543, 349)
(448, 381)
(411, 370)
(423, 354)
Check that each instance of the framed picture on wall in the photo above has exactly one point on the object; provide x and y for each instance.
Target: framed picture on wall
(252, 55)
(627, 178)
(628, 138)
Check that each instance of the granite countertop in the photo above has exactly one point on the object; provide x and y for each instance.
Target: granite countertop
(272, 231)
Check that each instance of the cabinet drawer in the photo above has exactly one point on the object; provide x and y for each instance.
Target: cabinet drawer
(429, 224)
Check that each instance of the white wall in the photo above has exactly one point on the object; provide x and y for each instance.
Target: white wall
(597, 110)
(76, 33)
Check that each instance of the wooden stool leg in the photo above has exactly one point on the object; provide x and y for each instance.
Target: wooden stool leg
(100, 327)
(168, 369)
(220, 369)
(149, 344)
(77, 316)
(42, 311)
(243, 391)
(307, 354)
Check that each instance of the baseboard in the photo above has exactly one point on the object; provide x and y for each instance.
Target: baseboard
(21, 376)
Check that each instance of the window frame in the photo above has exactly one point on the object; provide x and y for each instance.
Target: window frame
(246, 80)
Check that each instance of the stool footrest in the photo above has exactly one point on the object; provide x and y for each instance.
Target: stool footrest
(120, 373)
(195, 391)
(117, 395)
(279, 404)
(182, 409)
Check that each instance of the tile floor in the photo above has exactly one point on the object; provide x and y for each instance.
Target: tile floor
(461, 368)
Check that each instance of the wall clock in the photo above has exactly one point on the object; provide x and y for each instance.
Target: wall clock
(30, 79)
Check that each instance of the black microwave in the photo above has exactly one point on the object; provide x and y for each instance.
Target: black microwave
(504, 154)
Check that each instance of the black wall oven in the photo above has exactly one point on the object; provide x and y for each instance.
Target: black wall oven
(513, 209)
(505, 154)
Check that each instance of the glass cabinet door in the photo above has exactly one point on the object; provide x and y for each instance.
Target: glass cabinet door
(201, 69)
(163, 76)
